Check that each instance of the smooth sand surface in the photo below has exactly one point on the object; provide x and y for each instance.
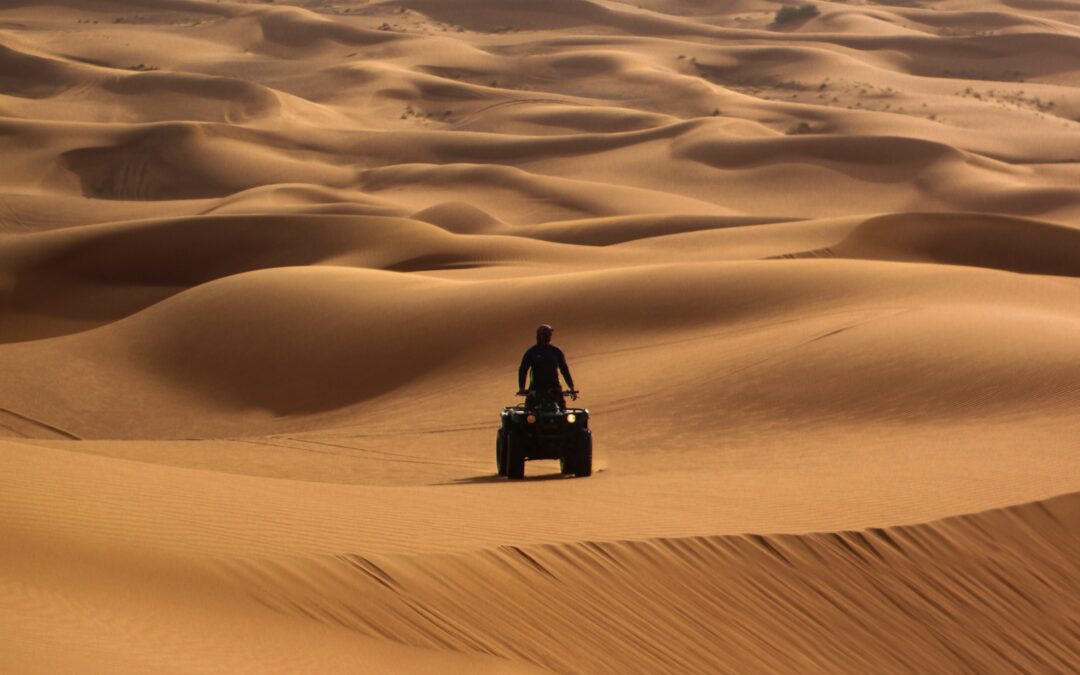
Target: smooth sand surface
(267, 270)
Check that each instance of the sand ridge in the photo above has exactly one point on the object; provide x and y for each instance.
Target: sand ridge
(267, 269)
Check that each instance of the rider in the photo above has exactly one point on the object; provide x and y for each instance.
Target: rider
(546, 362)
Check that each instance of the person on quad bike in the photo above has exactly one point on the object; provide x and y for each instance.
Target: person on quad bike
(546, 361)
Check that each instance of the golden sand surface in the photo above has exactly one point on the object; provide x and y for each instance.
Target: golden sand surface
(267, 270)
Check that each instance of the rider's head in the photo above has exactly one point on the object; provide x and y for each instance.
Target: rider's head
(543, 334)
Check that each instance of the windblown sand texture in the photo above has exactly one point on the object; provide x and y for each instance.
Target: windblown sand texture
(267, 270)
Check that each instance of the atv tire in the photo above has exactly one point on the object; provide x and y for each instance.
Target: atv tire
(583, 456)
(500, 452)
(515, 457)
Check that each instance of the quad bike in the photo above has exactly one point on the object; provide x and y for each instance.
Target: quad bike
(543, 428)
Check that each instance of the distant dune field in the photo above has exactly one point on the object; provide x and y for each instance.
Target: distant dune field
(267, 270)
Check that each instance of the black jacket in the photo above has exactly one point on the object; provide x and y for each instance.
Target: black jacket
(546, 362)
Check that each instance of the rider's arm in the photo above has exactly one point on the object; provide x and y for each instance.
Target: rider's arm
(565, 370)
(523, 370)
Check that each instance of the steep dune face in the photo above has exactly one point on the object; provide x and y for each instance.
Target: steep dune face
(267, 270)
(828, 595)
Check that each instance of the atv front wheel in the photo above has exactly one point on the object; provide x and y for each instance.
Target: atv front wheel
(515, 457)
(500, 452)
(583, 456)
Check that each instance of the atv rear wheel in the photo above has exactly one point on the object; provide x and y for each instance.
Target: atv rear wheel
(500, 452)
(583, 456)
(515, 457)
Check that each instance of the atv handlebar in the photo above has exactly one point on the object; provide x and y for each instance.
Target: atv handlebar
(572, 393)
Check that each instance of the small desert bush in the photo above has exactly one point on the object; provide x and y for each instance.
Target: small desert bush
(794, 13)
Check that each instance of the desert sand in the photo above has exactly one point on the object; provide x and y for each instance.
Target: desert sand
(267, 270)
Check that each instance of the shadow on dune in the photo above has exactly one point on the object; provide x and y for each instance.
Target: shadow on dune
(97, 274)
(485, 479)
(190, 160)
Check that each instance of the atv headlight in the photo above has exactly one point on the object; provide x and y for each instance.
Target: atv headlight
(571, 418)
(531, 419)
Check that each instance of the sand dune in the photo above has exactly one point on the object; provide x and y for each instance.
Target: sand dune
(1002, 243)
(267, 270)
(974, 591)
(835, 587)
